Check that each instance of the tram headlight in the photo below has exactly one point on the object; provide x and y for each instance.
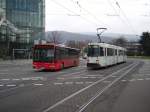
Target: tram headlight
(87, 60)
(97, 61)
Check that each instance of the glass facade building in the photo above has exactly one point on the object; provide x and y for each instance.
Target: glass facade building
(28, 17)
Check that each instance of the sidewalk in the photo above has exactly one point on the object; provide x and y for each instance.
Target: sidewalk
(18, 61)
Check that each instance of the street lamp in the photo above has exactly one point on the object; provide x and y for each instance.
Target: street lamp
(99, 33)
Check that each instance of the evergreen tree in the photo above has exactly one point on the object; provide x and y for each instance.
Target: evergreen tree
(145, 43)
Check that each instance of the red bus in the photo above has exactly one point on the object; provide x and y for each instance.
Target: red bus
(54, 57)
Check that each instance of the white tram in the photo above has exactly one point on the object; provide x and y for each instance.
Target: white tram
(102, 55)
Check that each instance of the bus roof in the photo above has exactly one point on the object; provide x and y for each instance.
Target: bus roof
(58, 45)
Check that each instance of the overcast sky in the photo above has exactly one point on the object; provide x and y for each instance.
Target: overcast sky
(118, 16)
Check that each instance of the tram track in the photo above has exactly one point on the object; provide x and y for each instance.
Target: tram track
(58, 105)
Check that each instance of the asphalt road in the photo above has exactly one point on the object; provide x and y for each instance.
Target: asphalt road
(120, 88)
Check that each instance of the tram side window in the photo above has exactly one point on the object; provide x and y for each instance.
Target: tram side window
(116, 52)
(110, 52)
(125, 53)
(101, 51)
(121, 53)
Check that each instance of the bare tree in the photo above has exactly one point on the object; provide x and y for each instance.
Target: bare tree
(121, 41)
(54, 37)
(78, 44)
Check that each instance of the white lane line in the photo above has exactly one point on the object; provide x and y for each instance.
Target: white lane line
(3, 73)
(21, 85)
(68, 83)
(60, 78)
(25, 78)
(83, 89)
(94, 75)
(147, 78)
(75, 73)
(140, 79)
(34, 79)
(114, 76)
(11, 85)
(79, 83)
(84, 77)
(1, 85)
(132, 80)
(4, 70)
(5, 79)
(15, 79)
(100, 77)
(56, 83)
(124, 80)
(75, 77)
(89, 82)
(38, 84)
(106, 81)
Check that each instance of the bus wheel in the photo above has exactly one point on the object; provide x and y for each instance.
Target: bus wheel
(62, 66)
(75, 63)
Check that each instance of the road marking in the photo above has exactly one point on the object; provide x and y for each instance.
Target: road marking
(60, 78)
(140, 79)
(84, 77)
(114, 76)
(74, 78)
(94, 75)
(11, 85)
(89, 82)
(83, 89)
(25, 78)
(1, 85)
(147, 78)
(58, 83)
(21, 85)
(123, 80)
(68, 83)
(15, 79)
(38, 84)
(34, 79)
(132, 80)
(5, 79)
(3, 73)
(106, 81)
(75, 73)
(78, 82)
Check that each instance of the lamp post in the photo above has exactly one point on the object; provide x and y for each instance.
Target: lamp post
(99, 33)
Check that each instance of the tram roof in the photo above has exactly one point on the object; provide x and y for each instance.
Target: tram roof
(108, 46)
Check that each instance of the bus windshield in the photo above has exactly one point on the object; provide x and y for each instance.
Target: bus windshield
(93, 50)
(43, 54)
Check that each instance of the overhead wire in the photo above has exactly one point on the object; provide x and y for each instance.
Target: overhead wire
(124, 14)
(74, 12)
(82, 8)
(123, 21)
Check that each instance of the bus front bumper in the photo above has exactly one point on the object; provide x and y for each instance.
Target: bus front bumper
(44, 66)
